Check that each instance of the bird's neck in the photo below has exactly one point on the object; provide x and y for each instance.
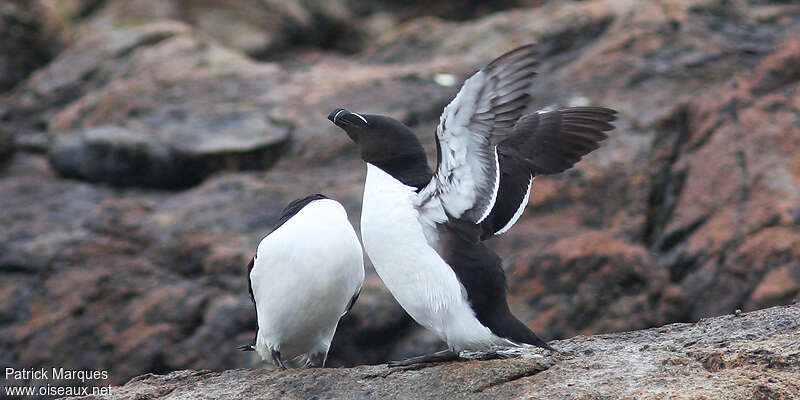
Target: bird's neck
(409, 170)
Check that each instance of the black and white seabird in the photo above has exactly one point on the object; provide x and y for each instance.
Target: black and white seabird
(423, 229)
(306, 274)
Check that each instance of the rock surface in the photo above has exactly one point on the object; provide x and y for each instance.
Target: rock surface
(150, 106)
(22, 45)
(116, 253)
(748, 356)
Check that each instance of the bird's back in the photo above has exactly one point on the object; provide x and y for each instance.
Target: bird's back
(304, 275)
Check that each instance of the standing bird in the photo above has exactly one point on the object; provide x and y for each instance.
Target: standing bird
(306, 274)
(423, 230)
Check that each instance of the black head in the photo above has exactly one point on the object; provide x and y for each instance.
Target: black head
(386, 143)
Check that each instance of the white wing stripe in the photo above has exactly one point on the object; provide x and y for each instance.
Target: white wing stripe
(457, 179)
(519, 211)
(470, 127)
(496, 187)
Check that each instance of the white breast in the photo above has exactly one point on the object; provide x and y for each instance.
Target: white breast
(304, 275)
(421, 281)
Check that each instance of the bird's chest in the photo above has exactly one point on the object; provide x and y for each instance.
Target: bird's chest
(398, 245)
(390, 223)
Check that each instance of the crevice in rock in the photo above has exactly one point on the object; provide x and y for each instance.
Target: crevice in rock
(450, 11)
(89, 8)
(158, 365)
(8, 268)
(322, 32)
(196, 320)
(667, 183)
(573, 37)
(668, 241)
(678, 263)
(509, 378)
(146, 41)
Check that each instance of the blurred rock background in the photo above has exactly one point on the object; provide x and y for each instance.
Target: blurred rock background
(148, 145)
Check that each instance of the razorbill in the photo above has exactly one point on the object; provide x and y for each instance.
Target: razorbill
(306, 274)
(423, 229)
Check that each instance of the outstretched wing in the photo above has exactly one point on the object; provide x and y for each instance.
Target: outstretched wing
(489, 153)
(544, 142)
(483, 114)
(549, 142)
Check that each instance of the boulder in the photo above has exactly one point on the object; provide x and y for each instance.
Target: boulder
(179, 155)
(150, 106)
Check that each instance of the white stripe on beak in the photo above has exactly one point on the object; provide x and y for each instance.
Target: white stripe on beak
(362, 118)
(337, 115)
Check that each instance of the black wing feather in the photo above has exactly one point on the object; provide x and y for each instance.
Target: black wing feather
(553, 141)
(480, 270)
(543, 143)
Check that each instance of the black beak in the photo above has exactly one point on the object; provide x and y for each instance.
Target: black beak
(345, 118)
(336, 114)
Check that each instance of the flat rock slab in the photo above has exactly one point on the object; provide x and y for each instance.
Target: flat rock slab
(747, 356)
(177, 155)
(152, 105)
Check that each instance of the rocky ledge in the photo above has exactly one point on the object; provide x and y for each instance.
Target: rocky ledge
(146, 146)
(752, 355)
